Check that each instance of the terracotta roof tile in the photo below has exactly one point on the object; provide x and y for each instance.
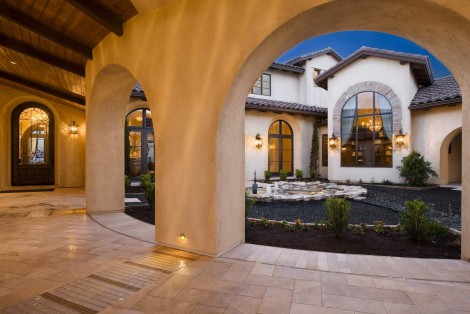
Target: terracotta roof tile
(444, 91)
(329, 51)
(283, 106)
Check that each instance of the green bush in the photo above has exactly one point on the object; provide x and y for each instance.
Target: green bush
(414, 219)
(415, 170)
(149, 190)
(249, 203)
(338, 212)
(313, 175)
(127, 181)
(267, 175)
(283, 175)
(386, 182)
(299, 174)
(379, 226)
(437, 229)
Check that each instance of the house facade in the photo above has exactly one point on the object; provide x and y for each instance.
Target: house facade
(375, 105)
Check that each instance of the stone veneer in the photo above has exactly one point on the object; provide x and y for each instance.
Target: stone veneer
(368, 87)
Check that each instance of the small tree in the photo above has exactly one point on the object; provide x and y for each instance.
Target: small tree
(414, 219)
(314, 151)
(415, 170)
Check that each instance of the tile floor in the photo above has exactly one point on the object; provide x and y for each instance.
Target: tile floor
(40, 254)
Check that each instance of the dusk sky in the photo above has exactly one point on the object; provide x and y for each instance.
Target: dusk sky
(346, 43)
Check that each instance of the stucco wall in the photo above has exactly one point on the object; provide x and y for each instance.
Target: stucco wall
(314, 95)
(259, 122)
(390, 73)
(431, 128)
(69, 149)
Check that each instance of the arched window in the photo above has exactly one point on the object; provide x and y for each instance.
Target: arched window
(32, 145)
(141, 142)
(366, 131)
(281, 147)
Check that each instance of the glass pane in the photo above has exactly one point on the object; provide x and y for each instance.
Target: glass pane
(366, 124)
(266, 78)
(382, 105)
(274, 129)
(256, 90)
(266, 91)
(287, 144)
(348, 128)
(135, 118)
(150, 152)
(287, 166)
(135, 140)
(349, 108)
(286, 155)
(365, 103)
(148, 119)
(383, 152)
(286, 129)
(274, 166)
(365, 150)
(33, 137)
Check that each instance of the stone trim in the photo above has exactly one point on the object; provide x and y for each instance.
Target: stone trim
(368, 87)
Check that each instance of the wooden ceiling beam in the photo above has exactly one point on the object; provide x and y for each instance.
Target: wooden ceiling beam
(99, 14)
(44, 30)
(25, 49)
(66, 95)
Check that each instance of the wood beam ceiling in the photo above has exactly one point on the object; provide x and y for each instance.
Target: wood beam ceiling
(44, 30)
(25, 49)
(76, 98)
(99, 14)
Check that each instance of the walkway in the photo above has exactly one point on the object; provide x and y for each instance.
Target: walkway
(72, 264)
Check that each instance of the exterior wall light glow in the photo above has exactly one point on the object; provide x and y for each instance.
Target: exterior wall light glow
(182, 237)
(332, 141)
(400, 139)
(73, 128)
(258, 141)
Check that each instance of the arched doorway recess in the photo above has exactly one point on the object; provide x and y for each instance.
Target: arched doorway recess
(201, 104)
(451, 158)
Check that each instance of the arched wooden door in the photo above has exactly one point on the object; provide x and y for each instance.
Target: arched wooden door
(281, 147)
(32, 153)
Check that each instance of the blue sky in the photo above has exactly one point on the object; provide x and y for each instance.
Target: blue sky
(346, 43)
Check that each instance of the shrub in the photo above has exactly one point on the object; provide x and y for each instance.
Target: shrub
(283, 175)
(266, 223)
(379, 226)
(249, 203)
(149, 190)
(415, 170)
(267, 175)
(437, 229)
(338, 212)
(289, 227)
(386, 182)
(313, 175)
(414, 220)
(358, 230)
(127, 181)
(299, 174)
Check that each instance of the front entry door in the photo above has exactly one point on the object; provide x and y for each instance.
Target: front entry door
(32, 155)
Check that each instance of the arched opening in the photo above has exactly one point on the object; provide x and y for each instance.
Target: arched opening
(451, 158)
(141, 142)
(32, 129)
(281, 147)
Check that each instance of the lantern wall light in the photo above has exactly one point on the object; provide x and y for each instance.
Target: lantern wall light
(332, 142)
(400, 139)
(258, 141)
(73, 128)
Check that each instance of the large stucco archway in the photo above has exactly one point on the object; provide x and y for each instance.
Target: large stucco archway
(201, 94)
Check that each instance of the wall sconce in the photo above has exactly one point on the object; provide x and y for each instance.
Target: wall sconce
(332, 141)
(73, 128)
(182, 237)
(400, 139)
(258, 141)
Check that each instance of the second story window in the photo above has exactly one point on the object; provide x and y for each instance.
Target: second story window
(262, 85)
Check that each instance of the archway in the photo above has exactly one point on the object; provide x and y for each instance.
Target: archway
(451, 158)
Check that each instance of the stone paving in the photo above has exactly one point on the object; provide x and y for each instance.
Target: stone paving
(42, 254)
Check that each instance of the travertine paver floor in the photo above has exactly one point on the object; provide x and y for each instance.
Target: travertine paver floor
(41, 254)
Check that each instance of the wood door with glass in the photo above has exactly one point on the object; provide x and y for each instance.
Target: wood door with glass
(32, 154)
(142, 142)
(281, 147)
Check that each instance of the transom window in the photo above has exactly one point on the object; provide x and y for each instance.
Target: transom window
(366, 131)
(262, 85)
(281, 147)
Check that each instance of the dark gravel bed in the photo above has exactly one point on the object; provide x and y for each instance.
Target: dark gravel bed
(313, 211)
(381, 203)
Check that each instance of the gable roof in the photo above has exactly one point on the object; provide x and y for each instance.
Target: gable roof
(420, 64)
(283, 106)
(444, 91)
(287, 67)
(327, 51)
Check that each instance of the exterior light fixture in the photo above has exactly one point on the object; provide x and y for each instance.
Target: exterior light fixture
(400, 139)
(73, 128)
(332, 141)
(258, 141)
(182, 237)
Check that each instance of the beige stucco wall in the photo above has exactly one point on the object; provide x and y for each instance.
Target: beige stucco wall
(372, 69)
(314, 95)
(259, 122)
(225, 47)
(69, 149)
(433, 130)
